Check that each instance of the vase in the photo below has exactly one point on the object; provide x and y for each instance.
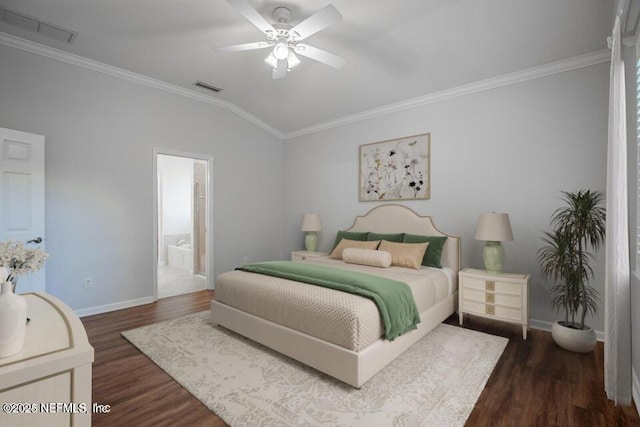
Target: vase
(13, 320)
(577, 340)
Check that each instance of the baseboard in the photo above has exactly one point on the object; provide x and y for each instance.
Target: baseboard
(90, 311)
(543, 325)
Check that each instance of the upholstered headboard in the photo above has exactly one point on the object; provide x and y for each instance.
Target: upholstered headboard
(401, 219)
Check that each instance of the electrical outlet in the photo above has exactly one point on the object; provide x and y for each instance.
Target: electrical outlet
(88, 282)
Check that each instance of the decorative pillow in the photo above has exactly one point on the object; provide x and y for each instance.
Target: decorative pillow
(346, 243)
(388, 237)
(405, 254)
(351, 235)
(370, 257)
(433, 255)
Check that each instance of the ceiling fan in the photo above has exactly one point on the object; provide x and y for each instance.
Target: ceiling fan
(285, 39)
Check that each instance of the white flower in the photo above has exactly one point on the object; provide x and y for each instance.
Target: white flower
(18, 260)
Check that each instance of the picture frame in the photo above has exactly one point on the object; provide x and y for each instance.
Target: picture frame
(396, 169)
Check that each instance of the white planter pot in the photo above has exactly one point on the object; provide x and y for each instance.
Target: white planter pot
(13, 320)
(578, 340)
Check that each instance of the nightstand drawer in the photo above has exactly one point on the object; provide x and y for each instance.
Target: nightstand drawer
(500, 296)
(483, 309)
(514, 301)
(493, 286)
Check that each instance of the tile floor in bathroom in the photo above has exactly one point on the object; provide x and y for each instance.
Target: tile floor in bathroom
(176, 281)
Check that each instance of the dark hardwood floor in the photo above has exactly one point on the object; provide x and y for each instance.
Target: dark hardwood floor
(138, 391)
(535, 383)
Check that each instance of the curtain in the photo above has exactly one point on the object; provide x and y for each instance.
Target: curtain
(617, 354)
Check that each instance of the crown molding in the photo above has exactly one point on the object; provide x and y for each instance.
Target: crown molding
(79, 61)
(574, 63)
(570, 64)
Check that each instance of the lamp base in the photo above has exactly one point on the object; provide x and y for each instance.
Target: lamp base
(311, 242)
(493, 256)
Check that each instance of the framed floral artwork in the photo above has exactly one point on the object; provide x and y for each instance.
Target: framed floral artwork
(397, 169)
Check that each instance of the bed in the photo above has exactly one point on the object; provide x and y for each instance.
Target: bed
(345, 341)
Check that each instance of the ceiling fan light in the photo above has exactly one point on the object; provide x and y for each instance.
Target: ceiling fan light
(281, 50)
(271, 60)
(292, 60)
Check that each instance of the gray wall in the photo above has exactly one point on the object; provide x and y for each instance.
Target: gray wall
(100, 132)
(511, 149)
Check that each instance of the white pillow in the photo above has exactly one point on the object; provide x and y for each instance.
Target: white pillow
(370, 257)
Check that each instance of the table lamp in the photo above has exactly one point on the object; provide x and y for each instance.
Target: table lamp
(494, 228)
(311, 225)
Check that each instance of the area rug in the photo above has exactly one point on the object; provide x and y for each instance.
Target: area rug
(435, 383)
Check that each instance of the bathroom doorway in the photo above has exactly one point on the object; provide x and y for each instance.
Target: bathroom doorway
(200, 217)
(182, 218)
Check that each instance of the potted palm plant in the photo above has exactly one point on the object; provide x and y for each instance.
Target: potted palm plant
(576, 228)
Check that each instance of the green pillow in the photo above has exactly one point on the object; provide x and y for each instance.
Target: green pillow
(433, 255)
(350, 235)
(397, 238)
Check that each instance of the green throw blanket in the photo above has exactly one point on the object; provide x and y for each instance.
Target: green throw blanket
(393, 298)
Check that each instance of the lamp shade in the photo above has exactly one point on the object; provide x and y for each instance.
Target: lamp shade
(311, 222)
(271, 60)
(281, 50)
(292, 60)
(494, 227)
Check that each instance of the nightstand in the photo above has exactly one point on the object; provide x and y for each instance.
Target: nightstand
(303, 255)
(500, 296)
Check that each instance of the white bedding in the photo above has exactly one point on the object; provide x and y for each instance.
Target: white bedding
(347, 320)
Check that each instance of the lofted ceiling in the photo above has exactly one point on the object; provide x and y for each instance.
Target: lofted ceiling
(394, 50)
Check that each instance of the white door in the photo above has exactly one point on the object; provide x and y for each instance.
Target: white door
(22, 196)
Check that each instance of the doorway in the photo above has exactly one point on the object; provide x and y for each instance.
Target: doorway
(182, 250)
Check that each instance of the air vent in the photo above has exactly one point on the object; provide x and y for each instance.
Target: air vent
(35, 25)
(207, 86)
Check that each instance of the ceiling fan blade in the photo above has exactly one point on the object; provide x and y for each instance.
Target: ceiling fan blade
(252, 15)
(281, 71)
(316, 22)
(241, 47)
(320, 55)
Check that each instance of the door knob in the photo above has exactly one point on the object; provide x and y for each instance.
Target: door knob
(36, 240)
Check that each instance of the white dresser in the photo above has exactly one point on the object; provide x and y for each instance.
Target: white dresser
(500, 296)
(49, 382)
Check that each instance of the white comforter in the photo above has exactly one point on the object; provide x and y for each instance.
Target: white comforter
(347, 320)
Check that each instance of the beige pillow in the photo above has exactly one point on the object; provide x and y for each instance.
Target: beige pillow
(367, 257)
(405, 254)
(346, 243)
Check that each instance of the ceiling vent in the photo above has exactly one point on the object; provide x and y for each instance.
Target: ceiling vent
(35, 25)
(207, 86)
